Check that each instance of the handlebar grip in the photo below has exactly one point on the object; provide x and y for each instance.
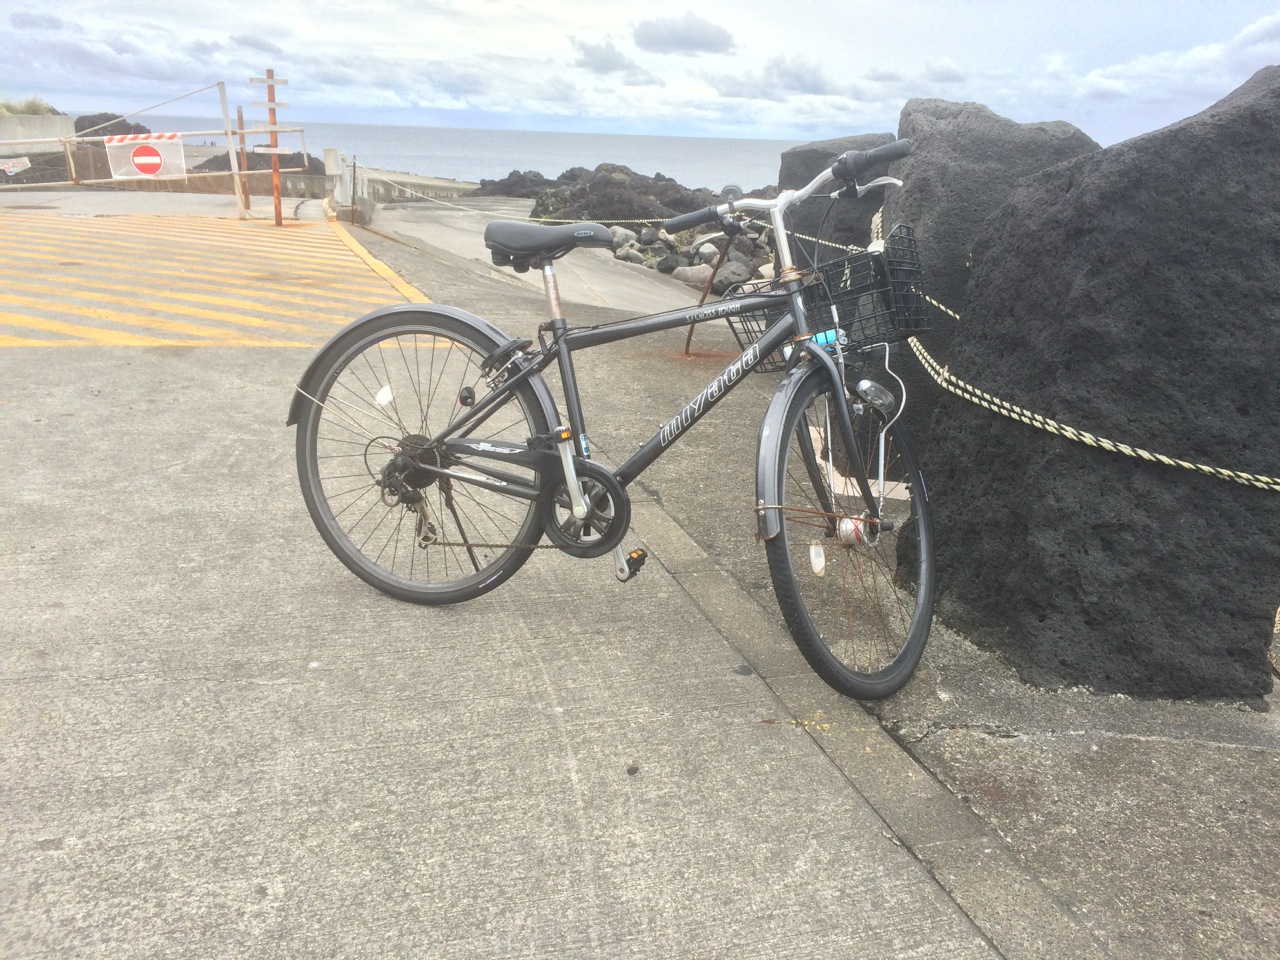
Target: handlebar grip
(687, 221)
(854, 163)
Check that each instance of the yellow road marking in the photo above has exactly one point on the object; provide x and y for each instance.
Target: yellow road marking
(134, 320)
(339, 315)
(116, 338)
(371, 291)
(240, 319)
(74, 281)
(408, 291)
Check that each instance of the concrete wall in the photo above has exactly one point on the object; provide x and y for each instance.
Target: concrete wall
(34, 128)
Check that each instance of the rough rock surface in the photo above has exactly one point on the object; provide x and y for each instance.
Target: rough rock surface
(523, 184)
(846, 222)
(1135, 293)
(220, 163)
(966, 163)
(616, 192)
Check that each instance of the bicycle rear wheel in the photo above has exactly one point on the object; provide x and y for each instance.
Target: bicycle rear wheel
(425, 538)
(859, 604)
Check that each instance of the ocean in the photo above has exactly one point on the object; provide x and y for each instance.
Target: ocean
(709, 162)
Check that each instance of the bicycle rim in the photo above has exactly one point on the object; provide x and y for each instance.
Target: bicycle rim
(447, 540)
(858, 603)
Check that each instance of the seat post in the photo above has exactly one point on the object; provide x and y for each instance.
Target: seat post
(554, 306)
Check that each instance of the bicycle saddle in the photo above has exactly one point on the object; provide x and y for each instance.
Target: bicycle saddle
(514, 243)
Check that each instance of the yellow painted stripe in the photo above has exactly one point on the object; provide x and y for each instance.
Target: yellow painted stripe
(405, 289)
(82, 288)
(7, 341)
(135, 254)
(360, 287)
(126, 318)
(113, 337)
(75, 281)
(239, 319)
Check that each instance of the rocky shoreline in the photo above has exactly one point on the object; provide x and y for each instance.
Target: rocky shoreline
(634, 207)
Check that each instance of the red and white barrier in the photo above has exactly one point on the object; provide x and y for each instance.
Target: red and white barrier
(143, 155)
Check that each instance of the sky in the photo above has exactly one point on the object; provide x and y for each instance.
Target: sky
(1115, 69)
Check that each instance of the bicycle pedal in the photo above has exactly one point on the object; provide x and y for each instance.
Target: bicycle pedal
(627, 565)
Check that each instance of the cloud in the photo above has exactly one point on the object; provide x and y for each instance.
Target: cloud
(1168, 76)
(880, 75)
(689, 35)
(256, 43)
(1264, 33)
(202, 49)
(124, 47)
(944, 71)
(605, 58)
(35, 21)
(780, 77)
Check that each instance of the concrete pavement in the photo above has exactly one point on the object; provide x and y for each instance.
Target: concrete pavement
(1152, 825)
(219, 743)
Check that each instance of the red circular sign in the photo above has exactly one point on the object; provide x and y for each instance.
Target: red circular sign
(146, 159)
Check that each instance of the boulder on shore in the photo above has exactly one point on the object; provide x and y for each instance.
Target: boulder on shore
(839, 223)
(1133, 292)
(616, 193)
(967, 161)
(523, 185)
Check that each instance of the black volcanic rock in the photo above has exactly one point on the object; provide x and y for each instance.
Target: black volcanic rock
(221, 163)
(967, 161)
(613, 192)
(1133, 292)
(108, 125)
(524, 185)
(846, 222)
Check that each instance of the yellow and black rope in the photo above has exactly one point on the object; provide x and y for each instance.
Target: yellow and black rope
(950, 382)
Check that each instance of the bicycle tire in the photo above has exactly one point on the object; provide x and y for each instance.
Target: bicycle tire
(400, 377)
(860, 612)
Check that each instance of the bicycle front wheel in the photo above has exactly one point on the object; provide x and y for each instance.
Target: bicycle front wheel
(415, 534)
(858, 601)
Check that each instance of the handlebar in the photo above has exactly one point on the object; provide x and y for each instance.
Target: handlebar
(853, 163)
(687, 221)
(846, 169)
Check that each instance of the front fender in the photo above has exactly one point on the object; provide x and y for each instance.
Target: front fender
(768, 478)
(307, 385)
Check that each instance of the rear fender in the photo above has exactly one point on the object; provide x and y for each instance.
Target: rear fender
(308, 383)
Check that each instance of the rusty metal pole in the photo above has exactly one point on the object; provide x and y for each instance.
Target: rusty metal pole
(706, 291)
(244, 157)
(275, 143)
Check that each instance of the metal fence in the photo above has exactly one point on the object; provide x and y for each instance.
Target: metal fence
(83, 161)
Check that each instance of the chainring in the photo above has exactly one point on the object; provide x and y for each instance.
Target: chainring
(608, 513)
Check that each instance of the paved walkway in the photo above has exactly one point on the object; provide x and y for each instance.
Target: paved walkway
(216, 742)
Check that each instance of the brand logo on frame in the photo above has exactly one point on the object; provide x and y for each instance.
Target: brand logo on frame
(708, 397)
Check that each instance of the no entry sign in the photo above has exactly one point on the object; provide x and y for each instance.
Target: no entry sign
(147, 160)
(146, 155)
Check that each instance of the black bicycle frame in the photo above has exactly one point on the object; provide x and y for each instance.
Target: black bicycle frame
(567, 340)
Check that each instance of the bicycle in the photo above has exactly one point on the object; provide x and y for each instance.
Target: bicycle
(433, 457)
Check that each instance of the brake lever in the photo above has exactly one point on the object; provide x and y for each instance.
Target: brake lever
(864, 189)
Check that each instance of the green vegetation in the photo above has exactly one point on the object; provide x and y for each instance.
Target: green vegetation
(32, 106)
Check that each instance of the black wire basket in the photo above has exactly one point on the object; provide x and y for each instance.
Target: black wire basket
(872, 298)
(749, 327)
